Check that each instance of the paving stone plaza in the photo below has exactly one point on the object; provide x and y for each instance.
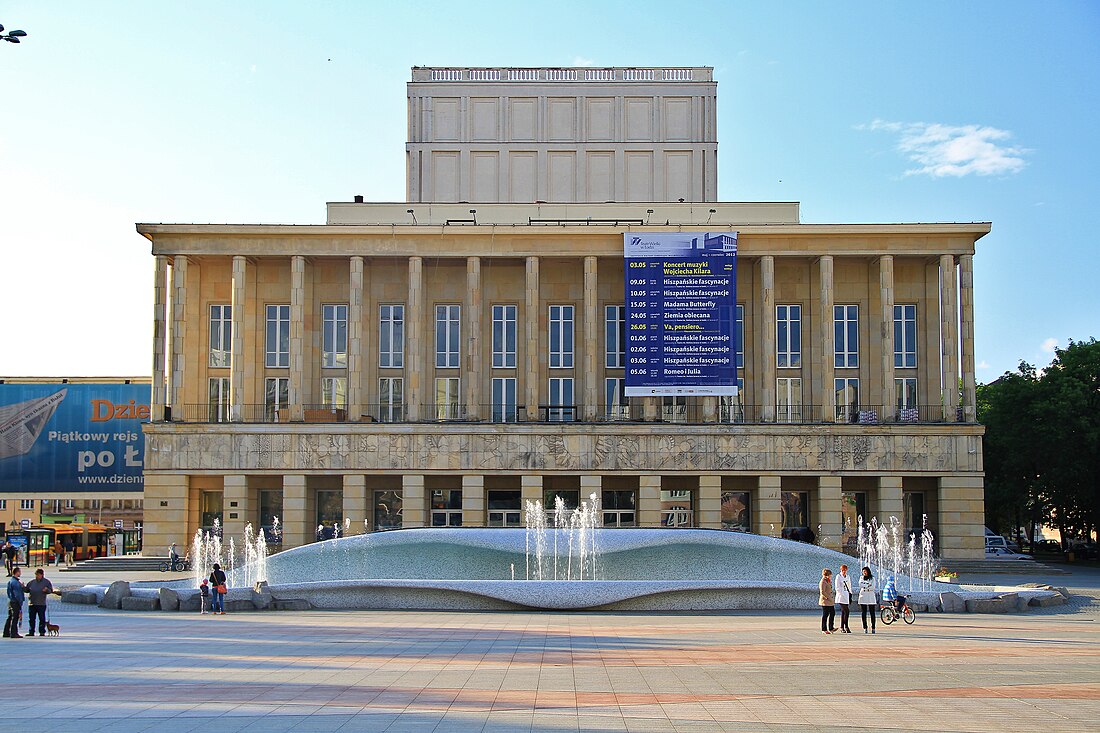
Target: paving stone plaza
(495, 672)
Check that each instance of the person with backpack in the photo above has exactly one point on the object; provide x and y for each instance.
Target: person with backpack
(218, 590)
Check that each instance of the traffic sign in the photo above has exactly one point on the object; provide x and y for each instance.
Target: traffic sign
(118, 524)
(24, 524)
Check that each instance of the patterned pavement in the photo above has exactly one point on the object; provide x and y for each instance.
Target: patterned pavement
(496, 672)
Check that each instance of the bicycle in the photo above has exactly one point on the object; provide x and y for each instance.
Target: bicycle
(177, 566)
(889, 614)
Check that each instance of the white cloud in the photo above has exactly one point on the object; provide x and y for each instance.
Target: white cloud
(954, 150)
(582, 61)
(983, 364)
(1049, 345)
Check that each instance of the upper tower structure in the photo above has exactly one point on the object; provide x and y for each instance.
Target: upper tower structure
(562, 135)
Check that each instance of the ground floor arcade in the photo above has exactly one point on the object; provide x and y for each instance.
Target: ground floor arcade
(313, 506)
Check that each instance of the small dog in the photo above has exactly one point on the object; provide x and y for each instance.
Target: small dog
(53, 630)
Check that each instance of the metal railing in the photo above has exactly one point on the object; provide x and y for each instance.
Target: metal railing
(693, 412)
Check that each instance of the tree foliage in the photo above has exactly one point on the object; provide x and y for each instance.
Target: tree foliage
(1042, 443)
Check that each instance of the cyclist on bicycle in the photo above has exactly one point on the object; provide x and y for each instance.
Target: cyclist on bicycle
(173, 557)
(889, 592)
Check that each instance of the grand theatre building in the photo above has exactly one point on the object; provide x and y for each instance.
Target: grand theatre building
(440, 361)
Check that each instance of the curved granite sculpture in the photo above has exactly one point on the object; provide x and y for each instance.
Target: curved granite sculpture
(636, 569)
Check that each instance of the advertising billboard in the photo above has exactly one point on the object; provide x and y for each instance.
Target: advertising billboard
(72, 437)
(681, 311)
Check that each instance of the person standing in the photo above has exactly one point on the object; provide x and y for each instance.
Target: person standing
(38, 589)
(843, 586)
(827, 601)
(58, 554)
(9, 556)
(173, 557)
(217, 590)
(867, 599)
(15, 606)
(70, 550)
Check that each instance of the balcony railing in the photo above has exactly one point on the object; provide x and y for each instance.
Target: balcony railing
(690, 413)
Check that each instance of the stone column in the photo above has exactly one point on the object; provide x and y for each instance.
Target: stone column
(414, 501)
(829, 516)
(710, 501)
(649, 501)
(826, 362)
(166, 512)
(949, 337)
(356, 345)
(890, 502)
(766, 336)
(591, 484)
(530, 490)
(237, 360)
(235, 505)
(591, 343)
(473, 338)
(297, 336)
(298, 528)
(769, 505)
(473, 501)
(961, 520)
(886, 336)
(414, 329)
(532, 311)
(355, 501)
(159, 396)
(966, 337)
(651, 408)
(179, 331)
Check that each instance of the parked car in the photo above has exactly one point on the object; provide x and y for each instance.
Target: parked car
(1084, 550)
(1049, 546)
(1003, 553)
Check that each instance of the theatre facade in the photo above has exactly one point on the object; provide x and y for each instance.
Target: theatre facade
(441, 363)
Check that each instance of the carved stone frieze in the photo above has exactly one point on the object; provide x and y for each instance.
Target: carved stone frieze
(579, 448)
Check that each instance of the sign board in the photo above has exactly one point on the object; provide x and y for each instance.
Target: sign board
(24, 524)
(72, 437)
(118, 524)
(681, 313)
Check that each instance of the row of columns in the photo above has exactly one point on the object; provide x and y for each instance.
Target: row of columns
(960, 505)
(956, 329)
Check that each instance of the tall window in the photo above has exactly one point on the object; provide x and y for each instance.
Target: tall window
(674, 408)
(504, 508)
(334, 393)
(737, 511)
(561, 337)
(221, 335)
(276, 399)
(335, 348)
(219, 399)
(678, 508)
(616, 403)
(846, 336)
(391, 336)
(447, 336)
(391, 399)
(387, 509)
(846, 399)
(731, 408)
(504, 399)
(905, 390)
(561, 408)
(615, 336)
(447, 403)
(788, 399)
(330, 513)
(504, 337)
(788, 336)
(278, 336)
(796, 514)
(619, 508)
(739, 336)
(905, 336)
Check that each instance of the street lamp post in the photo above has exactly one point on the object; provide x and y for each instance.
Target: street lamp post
(12, 36)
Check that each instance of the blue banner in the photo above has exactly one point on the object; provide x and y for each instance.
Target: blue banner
(681, 312)
(72, 437)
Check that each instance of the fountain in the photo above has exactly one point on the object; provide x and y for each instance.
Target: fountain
(561, 560)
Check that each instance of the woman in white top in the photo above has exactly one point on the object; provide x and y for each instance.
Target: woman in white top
(867, 598)
(843, 585)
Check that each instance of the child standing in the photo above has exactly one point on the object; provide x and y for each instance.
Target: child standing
(204, 596)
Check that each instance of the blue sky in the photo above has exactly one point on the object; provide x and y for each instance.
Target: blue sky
(117, 112)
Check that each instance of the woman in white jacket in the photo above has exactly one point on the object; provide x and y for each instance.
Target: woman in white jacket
(843, 585)
(867, 598)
